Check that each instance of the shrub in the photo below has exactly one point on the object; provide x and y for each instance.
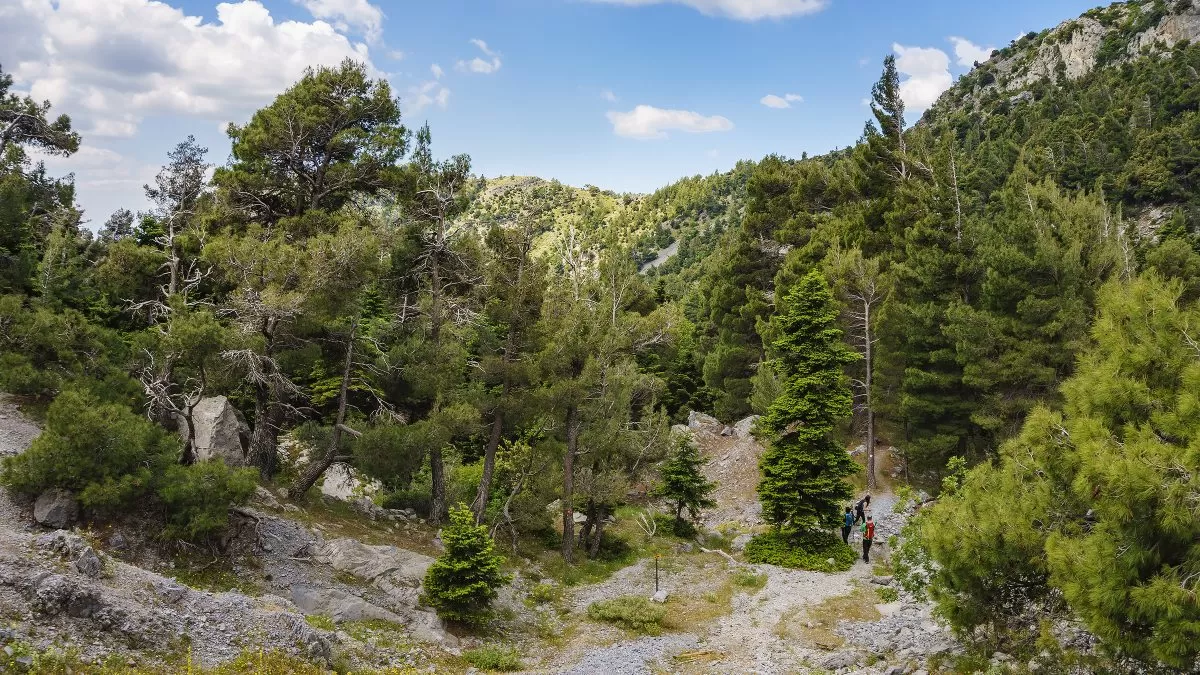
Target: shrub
(497, 658)
(804, 550)
(631, 612)
(116, 460)
(103, 451)
(461, 584)
(888, 594)
(197, 497)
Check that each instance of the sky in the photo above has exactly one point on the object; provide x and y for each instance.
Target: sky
(629, 95)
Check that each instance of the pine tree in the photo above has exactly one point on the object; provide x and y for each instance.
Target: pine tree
(461, 584)
(683, 484)
(803, 483)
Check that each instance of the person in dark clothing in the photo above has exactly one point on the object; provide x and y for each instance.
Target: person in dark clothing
(847, 525)
(860, 514)
(868, 536)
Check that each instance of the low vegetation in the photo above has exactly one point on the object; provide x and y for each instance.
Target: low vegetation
(494, 658)
(634, 613)
(811, 550)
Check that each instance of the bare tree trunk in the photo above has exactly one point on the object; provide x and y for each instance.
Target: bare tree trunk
(489, 465)
(598, 534)
(568, 508)
(317, 467)
(870, 410)
(439, 509)
(585, 534)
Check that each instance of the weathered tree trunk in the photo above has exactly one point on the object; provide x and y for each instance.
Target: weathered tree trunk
(568, 508)
(598, 533)
(585, 534)
(317, 467)
(870, 407)
(439, 509)
(489, 465)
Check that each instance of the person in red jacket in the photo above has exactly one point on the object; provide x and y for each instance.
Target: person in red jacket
(868, 536)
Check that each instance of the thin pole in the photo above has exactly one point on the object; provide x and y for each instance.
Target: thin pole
(656, 556)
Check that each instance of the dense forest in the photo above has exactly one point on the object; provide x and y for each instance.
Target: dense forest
(1005, 291)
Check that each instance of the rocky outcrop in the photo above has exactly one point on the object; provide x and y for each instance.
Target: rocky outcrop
(56, 508)
(221, 431)
(699, 420)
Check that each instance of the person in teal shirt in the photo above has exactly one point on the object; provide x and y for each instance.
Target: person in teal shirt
(847, 525)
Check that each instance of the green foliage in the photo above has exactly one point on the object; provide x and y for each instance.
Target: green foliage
(804, 470)
(461, 584)
(495, 658)
(1084, 506)
(197, 497)
(321, 621)
(114, 460)
(806, 550)
(631, 612)
(682, 484)
(887, 594)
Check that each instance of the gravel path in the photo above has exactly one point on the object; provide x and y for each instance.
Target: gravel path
(633, 658)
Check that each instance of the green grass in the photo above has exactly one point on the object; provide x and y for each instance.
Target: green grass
(631, 612)
(748, 579)
(809, 550)
(216, 575)
(496, 658)
(321, 622)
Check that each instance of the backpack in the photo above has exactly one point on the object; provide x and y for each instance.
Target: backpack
(870, 533)
(849, 520)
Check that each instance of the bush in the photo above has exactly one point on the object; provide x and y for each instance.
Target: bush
(805, 550)
(461, 584)
(888, 594)
(197, 497)
(103, 451)
(497, 658)
(116, 460)
(631, 612)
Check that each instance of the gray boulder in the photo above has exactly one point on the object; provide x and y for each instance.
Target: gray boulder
(698, 420)
(743, 427)
(88, 563)
(221, 431)
(372, 563)
(739, 542)
(56, 508)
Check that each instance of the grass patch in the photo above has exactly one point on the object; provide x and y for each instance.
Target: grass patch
(813, 626)
(689, 613)
(887, 594)
(321, 622)
(384, 634)
(808, 550)
(748, 579)
(216, 575)
(497, 658)
(631, 612)
(544, 594)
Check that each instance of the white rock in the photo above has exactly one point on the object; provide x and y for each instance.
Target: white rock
(659, 597)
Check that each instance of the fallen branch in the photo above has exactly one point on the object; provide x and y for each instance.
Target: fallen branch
(717, 550)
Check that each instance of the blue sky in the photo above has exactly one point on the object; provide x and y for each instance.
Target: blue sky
(624, 94)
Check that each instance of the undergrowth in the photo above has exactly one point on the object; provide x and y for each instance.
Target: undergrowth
(805, 550)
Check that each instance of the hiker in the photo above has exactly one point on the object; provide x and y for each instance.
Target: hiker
(860, 509)
(868, 535)
(847, 525)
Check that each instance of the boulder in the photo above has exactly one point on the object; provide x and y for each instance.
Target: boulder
(743, 427)
(221, 431)
(372, 563)
(342, 606)
(169, 591)
(727, 431)
(739, 542)
(659, 596)
(344, 483)
(698, 420)
(56, 508)
(88, 563)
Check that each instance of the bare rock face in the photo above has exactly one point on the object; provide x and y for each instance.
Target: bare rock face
(56, 508)
(743, 427)
(221, 431)
(698, 420)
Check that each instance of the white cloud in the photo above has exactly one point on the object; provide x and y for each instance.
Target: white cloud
(108, 64)
(424, 95)
(478, 65)
(437, 71)
(609, 96)
(644, 122)
(928, 71)
(359, 15)
(968, 53)
(785, 101)
(742, 10)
